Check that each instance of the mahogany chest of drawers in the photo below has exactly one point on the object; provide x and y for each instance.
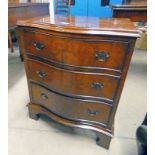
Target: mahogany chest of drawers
(76, 68)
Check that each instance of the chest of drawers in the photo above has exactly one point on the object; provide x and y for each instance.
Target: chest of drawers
(76, 68)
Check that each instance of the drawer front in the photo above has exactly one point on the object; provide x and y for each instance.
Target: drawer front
(84, 53)
(76, 83)
(69, 107)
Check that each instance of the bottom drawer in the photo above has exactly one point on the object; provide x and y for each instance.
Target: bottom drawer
(70, 108)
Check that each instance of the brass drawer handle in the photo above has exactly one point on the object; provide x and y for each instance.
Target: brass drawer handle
(102, 56)
(41, 74)
(44, 96)
(97, 85)
(93, 112)
(39, 46)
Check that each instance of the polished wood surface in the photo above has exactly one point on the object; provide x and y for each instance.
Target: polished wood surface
(134, 9)
(102, 55)
(74, 83)
(73, 73)
(75, 109)
(103, 135)
(84, 25)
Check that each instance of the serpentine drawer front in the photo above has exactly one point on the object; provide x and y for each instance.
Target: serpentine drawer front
(75, 83)
(76, 68)
(70, 108)
(84, 52)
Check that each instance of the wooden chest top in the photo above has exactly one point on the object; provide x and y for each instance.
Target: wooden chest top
(84, 25)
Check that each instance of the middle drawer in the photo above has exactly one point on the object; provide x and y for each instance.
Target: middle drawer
(73, 83)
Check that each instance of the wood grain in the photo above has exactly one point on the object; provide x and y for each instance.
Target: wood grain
(78, 52)
(63, 62)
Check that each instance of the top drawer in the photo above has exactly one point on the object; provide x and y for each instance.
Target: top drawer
(86, 53)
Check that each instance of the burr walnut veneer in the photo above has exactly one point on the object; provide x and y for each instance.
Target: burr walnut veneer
(76, 68)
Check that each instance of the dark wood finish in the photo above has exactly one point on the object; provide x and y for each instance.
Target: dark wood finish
(74, 109)
(75, 83)
(64, 87)
(103, 137)
(23, 11)
(135, 10)
(83, 25)
(101, 54)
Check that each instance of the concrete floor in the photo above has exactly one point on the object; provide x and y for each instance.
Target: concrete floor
(45, 137)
